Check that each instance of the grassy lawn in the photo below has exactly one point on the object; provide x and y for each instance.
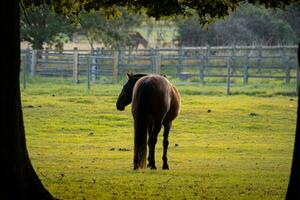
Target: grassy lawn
(82, 147)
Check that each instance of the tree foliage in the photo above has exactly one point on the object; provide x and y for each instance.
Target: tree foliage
(38, 26)
(207, 10)
(292, 16)
(106, 21)
(112, 33)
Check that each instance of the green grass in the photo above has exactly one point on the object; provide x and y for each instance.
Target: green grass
(74, 139)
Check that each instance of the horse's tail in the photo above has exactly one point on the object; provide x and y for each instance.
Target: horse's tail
(140, 106)
(140, 144)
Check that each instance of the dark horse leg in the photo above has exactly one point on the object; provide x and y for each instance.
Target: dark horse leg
(167, 128)
(152, 143)
(150, 130)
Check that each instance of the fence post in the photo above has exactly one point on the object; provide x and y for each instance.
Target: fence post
(232, 57)
(152, 60)
(130, 54)
(121, 56)
(207, 56)
(88, 73)
(180, 60)
(93, 63)
(24, 70)
(259, 57)
(246, 67)
(98, 59)
(46, 57)
(33, 62)
(286, 66)
(202, 70)
(75, 65)
(115, 58)
(228, 77)
(157, 61)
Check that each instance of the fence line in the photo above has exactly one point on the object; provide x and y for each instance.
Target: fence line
(184, 62)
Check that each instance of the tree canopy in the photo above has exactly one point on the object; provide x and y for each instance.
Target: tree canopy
(207, 10)
(112, 33)
(39, 25)
(93, 19)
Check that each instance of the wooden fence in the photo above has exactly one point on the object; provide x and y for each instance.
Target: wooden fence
(198, 63)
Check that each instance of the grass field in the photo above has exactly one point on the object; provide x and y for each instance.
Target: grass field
(82, 147)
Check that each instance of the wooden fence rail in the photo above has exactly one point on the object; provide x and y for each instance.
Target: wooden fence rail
(184, 62)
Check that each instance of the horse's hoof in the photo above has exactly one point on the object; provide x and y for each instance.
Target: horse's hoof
(153, 167)
(165, 167)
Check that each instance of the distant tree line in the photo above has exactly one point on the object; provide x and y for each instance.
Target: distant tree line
(40, 26)
(248, 25)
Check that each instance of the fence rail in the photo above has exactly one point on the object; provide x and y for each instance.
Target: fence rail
(244, 62)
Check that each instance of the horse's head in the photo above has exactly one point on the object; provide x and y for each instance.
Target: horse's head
(125, 96)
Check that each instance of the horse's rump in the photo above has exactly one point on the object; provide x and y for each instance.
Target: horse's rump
(151, 97)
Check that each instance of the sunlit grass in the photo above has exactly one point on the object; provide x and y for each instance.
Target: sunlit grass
(221, 147)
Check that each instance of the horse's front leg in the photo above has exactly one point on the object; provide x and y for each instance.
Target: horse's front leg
(167, 128)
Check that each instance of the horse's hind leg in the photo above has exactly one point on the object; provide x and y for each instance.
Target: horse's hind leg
(167, 128)
(152, 143)
(150, 130)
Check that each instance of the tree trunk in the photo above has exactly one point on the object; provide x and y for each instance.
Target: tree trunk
(19, 180)
(294, 183)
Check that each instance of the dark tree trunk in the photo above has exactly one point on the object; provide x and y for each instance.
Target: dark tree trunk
(293, 191)
(18, 178)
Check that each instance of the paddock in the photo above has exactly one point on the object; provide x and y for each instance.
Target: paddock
(221, 147)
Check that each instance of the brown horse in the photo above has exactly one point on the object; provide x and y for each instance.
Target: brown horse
(155, 102)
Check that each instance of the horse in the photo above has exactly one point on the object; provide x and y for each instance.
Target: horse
(136, 38)
(155, 103)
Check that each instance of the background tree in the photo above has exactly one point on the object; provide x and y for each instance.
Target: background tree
(112, 33)
(243, 27)
(292, 16)
(59, 40)
(41, 26)
(19, 178)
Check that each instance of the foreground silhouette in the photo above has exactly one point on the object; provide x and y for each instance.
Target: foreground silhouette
(18, 176)
(293, 191)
